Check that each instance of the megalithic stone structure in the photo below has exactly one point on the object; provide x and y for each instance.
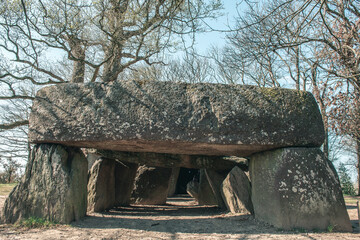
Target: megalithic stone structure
(176, 118)
(198, 125)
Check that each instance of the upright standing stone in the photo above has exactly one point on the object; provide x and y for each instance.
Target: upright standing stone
(297, 188)
(206, 195)
(236, 192)
(101, 185)
(151, 185)
(173, 181)
(53, 187)
(192, 188)
(124, 182)
(215, 180)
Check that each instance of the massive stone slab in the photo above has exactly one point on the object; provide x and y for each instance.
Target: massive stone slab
(53, 187)
(177, 118)
(297, 188)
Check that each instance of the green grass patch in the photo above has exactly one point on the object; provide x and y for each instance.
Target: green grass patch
(5, 189)
(35, 222)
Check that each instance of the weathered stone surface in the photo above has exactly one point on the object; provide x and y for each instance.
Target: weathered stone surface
(192, 188)
(215, 180)
(206, 195)
(124, 182)
(297, 188)
(149, 159)
(173, 181)
(236, 192)
(92, 158)
(53, 187)
(151, 185)
(177, 118)
(101, 185)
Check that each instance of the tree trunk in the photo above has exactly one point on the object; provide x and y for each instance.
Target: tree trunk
(112, 66)
(78, 53)
(320, 101)
(326, 129)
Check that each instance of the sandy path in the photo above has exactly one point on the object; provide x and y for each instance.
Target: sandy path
(179, 219)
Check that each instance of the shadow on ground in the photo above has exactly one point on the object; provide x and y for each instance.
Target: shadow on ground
(180, 215)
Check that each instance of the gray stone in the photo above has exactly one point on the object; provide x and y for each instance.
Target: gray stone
(124, 182)
(206, 195)
(236, 192)
(176, 160)
(101, 185)
(297, 188)
(53, 187)
(173, 181)
(92, 158)
(192, 188)
(151, 185)
(176, 118)
(215, 180)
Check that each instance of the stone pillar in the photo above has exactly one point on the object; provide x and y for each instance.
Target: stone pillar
(206, 195)
(173, 181)
(53, 187)
(124, 182)
(297, 188)
(236, 192)
(151, 185)
(101, 185)
(192, 188)
(215, 180)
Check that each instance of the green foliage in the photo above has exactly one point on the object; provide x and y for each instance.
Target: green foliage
(35, 222)
(330, 228)
(345, 181)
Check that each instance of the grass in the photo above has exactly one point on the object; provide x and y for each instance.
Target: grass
(5, 189)
(35, 222)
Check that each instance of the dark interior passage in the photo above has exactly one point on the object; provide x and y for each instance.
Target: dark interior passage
(185, 176)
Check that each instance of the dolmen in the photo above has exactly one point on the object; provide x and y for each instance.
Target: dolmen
(169, 125)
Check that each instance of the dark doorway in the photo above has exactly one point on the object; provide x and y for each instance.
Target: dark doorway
(185, 176)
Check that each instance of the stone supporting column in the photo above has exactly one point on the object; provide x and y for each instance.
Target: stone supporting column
(297, 188)
(215, 180)
(236, 192)
(151, 185)
(173, 181)
(53, 187)
(206, 195)
(125, 173)
(101, 185)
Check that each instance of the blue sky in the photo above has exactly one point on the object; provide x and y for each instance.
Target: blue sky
(207, 40)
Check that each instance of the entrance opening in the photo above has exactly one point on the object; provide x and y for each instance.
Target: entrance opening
(185, 176)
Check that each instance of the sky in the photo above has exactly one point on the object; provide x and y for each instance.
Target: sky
(207, 40)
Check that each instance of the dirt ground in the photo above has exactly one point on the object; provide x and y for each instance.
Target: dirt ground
(180, 218)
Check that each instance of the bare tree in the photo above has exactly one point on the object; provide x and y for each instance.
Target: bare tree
(313, 37)
(45, 42)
